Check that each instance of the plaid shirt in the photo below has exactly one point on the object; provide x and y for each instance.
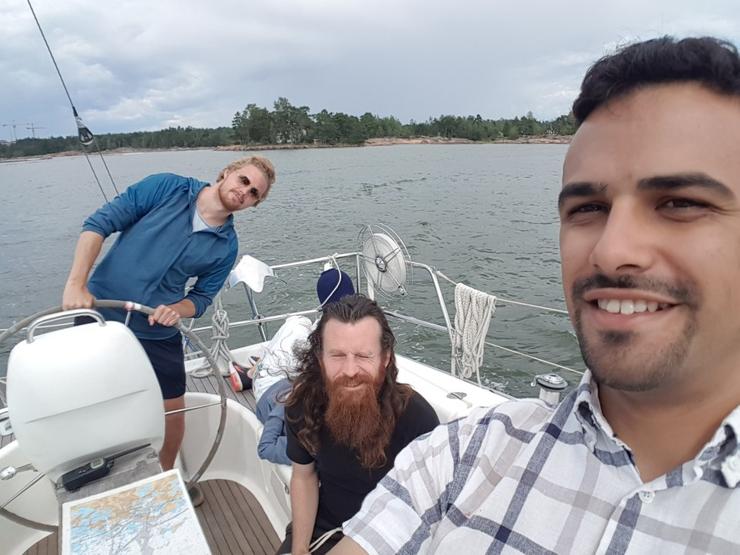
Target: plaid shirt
(525, 478)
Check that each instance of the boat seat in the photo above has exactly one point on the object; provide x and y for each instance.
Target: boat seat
(82, 392)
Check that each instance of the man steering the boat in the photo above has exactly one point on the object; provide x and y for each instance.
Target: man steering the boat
(346, 418)
(643, 456)
(172, 229)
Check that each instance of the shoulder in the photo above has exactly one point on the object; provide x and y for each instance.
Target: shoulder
(494, 429)
(169, 180)
(418, 406)
(419, 417)
(161, 186)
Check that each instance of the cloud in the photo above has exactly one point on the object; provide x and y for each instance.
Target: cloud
(138, 64)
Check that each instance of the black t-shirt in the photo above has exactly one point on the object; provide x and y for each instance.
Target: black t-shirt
(343, 483)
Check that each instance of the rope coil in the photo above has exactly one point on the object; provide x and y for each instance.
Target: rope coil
(219, 349)
(473, 312)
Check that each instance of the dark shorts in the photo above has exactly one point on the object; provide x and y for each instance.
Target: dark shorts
(167, 358)
(168, 361)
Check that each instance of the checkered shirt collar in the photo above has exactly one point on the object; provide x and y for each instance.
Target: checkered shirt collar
(723, 450)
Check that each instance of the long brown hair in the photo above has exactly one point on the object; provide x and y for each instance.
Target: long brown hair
(309, 392)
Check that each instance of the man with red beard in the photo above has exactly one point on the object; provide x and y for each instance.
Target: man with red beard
(172, 228)
(347, 418)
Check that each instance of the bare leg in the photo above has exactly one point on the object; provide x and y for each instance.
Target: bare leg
(174, 429)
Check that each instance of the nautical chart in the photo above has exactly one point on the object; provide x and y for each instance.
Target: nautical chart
(151, 516)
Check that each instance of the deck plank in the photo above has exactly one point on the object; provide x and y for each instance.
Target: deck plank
(207, 513)
(238, 525)
(232, 521)
(264, 532)
(255, 536)
(226, 522)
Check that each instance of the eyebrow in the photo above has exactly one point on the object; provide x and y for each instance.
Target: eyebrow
(580, 189)
(684, 180)
(657, 183)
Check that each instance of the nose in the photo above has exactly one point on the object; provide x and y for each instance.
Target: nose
(351, 366)
(626, 243)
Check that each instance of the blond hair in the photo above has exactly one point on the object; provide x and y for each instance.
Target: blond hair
(259, 162)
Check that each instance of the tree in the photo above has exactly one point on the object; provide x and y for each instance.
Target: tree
(292, 124)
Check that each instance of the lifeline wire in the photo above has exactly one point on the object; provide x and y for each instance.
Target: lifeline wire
(86, 137)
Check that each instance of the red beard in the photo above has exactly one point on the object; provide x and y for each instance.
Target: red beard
(353, 416)
(227, 199)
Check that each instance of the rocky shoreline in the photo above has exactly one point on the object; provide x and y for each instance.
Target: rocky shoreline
(383, 141)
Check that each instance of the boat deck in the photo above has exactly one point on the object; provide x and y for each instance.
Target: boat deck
(232, 519)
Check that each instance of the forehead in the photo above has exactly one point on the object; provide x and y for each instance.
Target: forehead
(658, 130)
(363, 335)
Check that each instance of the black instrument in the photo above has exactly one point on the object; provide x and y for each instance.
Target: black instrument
(94, 470)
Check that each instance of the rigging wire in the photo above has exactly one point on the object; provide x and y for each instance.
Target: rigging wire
(510, 301)
(83, 132)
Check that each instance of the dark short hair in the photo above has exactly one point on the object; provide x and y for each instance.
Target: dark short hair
(711, 62)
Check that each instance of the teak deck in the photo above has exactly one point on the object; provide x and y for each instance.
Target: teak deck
(232, 520)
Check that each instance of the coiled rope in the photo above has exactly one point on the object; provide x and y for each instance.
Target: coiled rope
(473, 312)
(219, 349)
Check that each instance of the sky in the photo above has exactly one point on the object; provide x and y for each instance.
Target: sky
(149, 64)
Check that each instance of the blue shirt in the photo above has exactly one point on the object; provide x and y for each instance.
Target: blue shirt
(157, 251)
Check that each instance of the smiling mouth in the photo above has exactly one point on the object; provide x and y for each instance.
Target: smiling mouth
(629, 306)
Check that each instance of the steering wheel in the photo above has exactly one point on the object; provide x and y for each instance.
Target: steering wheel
(129, 306)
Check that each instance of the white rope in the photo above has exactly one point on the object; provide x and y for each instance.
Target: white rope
(473, 312)
(219, 334)
(322, 539)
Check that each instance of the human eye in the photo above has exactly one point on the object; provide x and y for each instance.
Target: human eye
(683, 208)
(244, 180)
(682, 203)
(253, 192)
(584, 211)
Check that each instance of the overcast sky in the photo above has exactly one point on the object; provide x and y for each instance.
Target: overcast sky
(148, 64)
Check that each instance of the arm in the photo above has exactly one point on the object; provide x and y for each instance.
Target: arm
(209, 284)
(128, 207)
(273, 445)
(304, 503)
(114, 216)
(169, 315)
(75, 293)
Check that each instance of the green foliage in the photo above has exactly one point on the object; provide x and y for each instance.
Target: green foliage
(294, 125)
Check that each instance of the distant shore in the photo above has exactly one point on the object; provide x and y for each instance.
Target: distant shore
(383, 141)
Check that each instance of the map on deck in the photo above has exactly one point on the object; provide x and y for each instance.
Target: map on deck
(152, 516)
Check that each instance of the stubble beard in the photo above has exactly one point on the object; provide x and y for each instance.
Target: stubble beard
(227, 200)
(622, 360)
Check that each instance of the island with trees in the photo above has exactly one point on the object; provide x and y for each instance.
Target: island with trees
(289, 126)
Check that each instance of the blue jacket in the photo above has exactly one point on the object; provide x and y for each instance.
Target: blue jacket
(157, 252)
(273, 441)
